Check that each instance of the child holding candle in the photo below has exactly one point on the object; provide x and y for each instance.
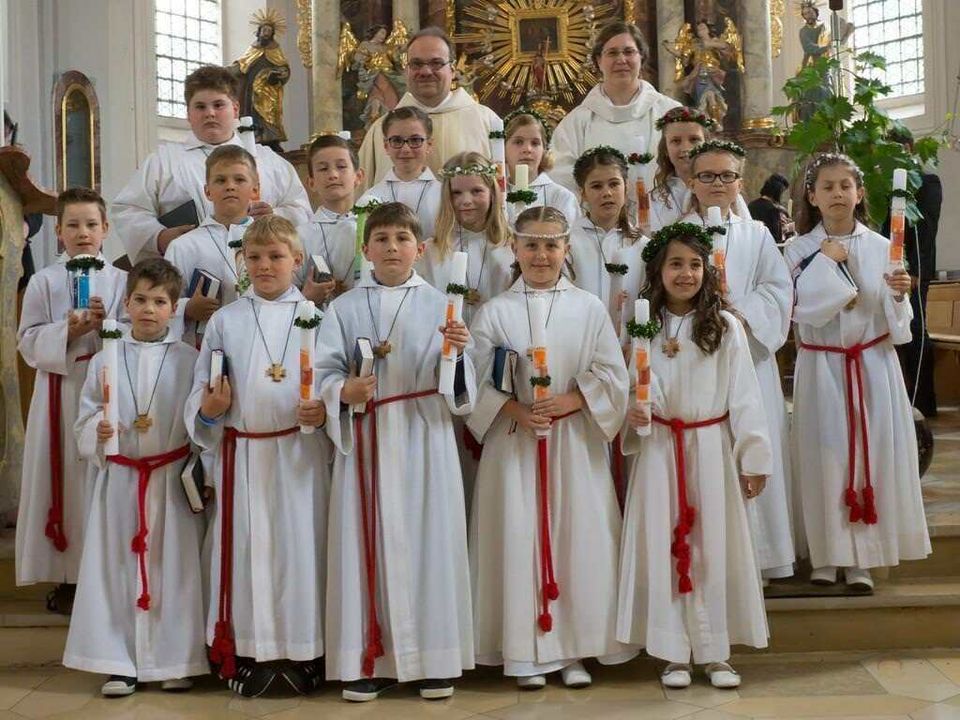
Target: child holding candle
(682, 129)
(527, 137)
(139, 615)
(471, 220)
(398, 585)
(853, 430)
(756, 283)
(331, 234)
(604, 245)
(58, 341)
(689, 584)
(408, 141)
(232, 185)
(545, 524)
(266, 540)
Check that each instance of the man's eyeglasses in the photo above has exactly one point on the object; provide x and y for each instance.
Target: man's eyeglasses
(434, 65)
(414, 141)
(726, 177)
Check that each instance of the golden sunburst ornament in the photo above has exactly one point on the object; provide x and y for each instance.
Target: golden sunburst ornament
(533, 48)
(269, 16)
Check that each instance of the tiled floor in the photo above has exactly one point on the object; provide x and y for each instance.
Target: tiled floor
(920, 686)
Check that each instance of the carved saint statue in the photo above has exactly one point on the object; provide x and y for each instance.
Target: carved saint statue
(379, 61)
(263, 71)
(815, 41)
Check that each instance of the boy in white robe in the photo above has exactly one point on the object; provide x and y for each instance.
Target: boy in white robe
(544, 559)
(266, 540)
(214, 248)
(757, 285)
(689, 583)
(334, 175)
(863, 510)
(408, 142)
(398, 584)
(175, 173)
(138, 614)
(59, 341)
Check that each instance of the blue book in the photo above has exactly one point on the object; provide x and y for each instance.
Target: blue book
(504, 369)
(209, 284)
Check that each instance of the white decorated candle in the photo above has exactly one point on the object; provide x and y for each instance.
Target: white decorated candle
(521, 177)
(538, 321)
(305, 314)
(641, 311)
(111, 405)
(714, 217)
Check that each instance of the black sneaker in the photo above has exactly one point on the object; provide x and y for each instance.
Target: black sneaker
(367, 689)
(303, 677)
(251, 680)
(119, 686)
(436, 689)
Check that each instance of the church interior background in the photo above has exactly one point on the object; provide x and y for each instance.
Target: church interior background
(890, 655)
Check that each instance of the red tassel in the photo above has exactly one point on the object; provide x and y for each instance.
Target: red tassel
(368, 661)
(545, 621)
(143, 602)
(553, 592)
(139, 543)
(690, 516)
(685, 585)
(869, 506)
(223, 651)
(850, 500)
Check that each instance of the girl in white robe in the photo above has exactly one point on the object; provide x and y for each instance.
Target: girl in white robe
(44, 343)
(526, 137)
(850, 312)
(404, 616)
(140, 623)
(689, 583)
(759, 289)
(271, 605)
(521, 623)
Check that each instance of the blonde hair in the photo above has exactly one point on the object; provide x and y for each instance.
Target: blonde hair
(495, 227)
(269, 229)
(739, 163)
(521, 120)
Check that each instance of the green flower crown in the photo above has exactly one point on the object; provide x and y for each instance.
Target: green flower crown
(597, 149)
(662, 237)
(310, 324)
(534, 114)
(489, 171)
(717, 146)
(686, 114)
(84, 262)
(647, 330)
(367, 207)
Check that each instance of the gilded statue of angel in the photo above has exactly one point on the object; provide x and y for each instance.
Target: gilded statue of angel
(379, 61)
(346, 47)
(700, 61)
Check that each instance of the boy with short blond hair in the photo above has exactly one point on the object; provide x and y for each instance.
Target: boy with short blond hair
(213, 250)
(268, 531)
(139, 615)
(398, 591)
(58, 338)
(331, 234)
(174, 174)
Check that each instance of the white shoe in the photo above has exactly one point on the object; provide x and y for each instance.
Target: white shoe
(576, 676)
(858, 579)
(722, 675)
(826, 575)
(176, 685)
(119, 686)
(676, 675)
(532, 682)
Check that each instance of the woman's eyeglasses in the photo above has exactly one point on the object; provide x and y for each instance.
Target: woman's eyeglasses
(726, 177)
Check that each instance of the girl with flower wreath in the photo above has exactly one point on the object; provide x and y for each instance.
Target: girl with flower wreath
(527, 135)
(689, 583)
(545, 525)
(681, 130)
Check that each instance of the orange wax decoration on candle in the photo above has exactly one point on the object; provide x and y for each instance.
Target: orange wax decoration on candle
(306, 375)
(643, 375)
(896, 238)
(643, 204)
(449, 318)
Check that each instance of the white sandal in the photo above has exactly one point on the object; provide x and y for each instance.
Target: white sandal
(722, 675)
(676, 675)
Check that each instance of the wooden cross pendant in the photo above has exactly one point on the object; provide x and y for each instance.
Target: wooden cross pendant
(142, 423)
(473, 297)
(276, 372)
(671, 347)
(383, 349)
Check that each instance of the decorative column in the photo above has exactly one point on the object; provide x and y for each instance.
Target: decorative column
(327, 111)
(409, 12)
(669, 21)
(758, 75)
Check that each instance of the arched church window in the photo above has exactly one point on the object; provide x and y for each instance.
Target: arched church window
(187, 35)
(892, 29)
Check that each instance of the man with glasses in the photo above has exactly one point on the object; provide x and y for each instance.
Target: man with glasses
(460, 123)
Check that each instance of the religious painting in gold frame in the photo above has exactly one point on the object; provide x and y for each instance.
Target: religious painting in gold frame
(76, 111)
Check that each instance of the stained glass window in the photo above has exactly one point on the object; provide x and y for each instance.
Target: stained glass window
(187, 35)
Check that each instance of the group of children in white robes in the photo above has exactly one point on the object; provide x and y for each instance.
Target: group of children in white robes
(343, 520)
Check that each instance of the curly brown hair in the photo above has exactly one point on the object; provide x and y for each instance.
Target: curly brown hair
(708, 324)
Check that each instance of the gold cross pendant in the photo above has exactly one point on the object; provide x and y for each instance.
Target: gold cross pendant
(383, 349)
(671, 347)
(142, 423)
(276, 372)
(473, 297)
